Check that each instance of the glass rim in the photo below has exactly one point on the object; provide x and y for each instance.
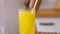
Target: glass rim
(22, 10)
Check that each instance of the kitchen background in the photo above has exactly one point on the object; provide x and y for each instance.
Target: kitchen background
(9, 19)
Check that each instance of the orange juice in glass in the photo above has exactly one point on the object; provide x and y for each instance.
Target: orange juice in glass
(26, 21)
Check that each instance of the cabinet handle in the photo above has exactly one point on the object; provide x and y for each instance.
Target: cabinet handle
(47, 24)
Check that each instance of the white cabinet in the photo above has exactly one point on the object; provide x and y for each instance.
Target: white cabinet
(48, 28)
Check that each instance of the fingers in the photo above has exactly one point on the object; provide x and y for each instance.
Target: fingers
(27, 3)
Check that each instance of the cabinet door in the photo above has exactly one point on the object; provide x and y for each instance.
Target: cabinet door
(49, 24)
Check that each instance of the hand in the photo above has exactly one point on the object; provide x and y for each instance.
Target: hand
(27, 3)
(30, 3)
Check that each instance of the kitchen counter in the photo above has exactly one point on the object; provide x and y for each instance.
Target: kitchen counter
(48, 13)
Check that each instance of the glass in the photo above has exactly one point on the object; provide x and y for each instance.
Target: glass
(26, 21)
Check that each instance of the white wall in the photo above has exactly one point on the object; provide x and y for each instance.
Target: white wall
(8, 15)
(11, 9)
(47, 4)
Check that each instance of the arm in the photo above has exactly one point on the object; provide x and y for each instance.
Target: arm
(31, 3)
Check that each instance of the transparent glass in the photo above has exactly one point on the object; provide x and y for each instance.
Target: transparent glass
(26, 21)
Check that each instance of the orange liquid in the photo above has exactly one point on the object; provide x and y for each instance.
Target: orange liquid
(26, 22)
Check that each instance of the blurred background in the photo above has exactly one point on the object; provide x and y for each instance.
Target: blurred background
(9, 19)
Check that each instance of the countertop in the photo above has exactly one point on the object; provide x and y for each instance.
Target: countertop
(48, 13)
